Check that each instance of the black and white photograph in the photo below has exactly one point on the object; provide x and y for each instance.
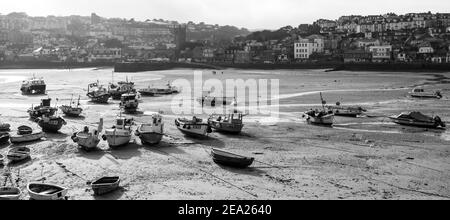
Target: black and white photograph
(237, 100)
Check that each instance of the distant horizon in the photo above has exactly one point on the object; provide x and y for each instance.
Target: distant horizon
(254, 15)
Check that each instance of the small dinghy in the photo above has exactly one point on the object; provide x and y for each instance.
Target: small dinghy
(151, 133)
(194, 127)
(25, 134)
(41, 191)
(417, 119)
(51, 123)
(4, 138)
(105, 185)
(229, 159)
(88, 140)
(421, 93)
(72, 111)
(10, 193)
(18, 154)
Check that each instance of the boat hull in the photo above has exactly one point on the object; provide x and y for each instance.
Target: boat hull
(4, 138)
(86, 141)
(39, 191)
(17, 139)
(34, 90)
(230, 160)
(100, 99)
(326, 120)
(117, 139)
(415, 123)
(151, 138)
(10, 193)
(52, 125)
(18, 154)
(193, 130)
(71, 112)
(226, 127)
(145, 93)
(105, 185)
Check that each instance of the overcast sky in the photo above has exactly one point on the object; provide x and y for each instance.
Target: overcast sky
(252, 14)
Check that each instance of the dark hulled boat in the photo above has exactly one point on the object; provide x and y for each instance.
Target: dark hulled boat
(43, 109)
(230, 159)
(51, 123)
(105, 185)
(33, 86)
(418, 119)
(98, 94)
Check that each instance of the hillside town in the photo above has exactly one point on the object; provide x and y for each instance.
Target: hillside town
(389, 38)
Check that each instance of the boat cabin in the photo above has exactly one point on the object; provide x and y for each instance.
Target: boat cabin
(122, 123)
(418, 90)
(157, 120)
(231, 118)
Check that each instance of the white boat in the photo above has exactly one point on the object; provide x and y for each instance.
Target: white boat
(418, 119)
(153, 132)
(195, 127)
(421, 93)
(18, 154)
(10, 193)
(231, 123)
(41, 191)
(87, 139)
(120, 134)
(320, 117)
(16, 139)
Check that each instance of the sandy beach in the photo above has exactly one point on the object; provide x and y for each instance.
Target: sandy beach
(358, 158)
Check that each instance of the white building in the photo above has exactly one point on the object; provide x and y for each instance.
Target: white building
(305, 47)
(381, 53)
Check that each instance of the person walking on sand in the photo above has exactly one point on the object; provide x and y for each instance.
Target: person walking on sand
(203, 101)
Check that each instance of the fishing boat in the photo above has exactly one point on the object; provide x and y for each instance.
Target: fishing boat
(25, 134)
(72, 111)
(105, 185)
(194, 127)
(320, 117)
(33, 86)
(120, 134)
(230, 159)
(97, 93)
(147, 91)
(18, 154)
(417, 119)
(43, 109)
(51, 123)
(124, 87)
(4, 137)
(129, 103)
(421, 93)
(169, 90)
(87, 139)
(41, 191)
(346, 111)
(5, 127)
(231, 123)
(151, 133)
(10, 193)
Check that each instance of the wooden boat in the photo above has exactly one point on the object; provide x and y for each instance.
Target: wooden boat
(194, 127)
(153, 132)
(17, 139)
(23, 130)
(421, 93)
(4, 137)
(229, 159)
(51, 123)
(10, 193)
(120, 134)
(5, 127)
(105, 185)
(231, 123)
(18, 154)
(320, 117)
(88, 139)
(147, 92)
(418, 119)
(97, 93)
(33, 86)
(349, 111)
(129, 103)
(43, 109)
(72, 111)
(41, 191)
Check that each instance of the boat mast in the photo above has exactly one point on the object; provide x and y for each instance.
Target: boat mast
(323, 102)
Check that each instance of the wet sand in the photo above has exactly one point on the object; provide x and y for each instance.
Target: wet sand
(294, 160)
